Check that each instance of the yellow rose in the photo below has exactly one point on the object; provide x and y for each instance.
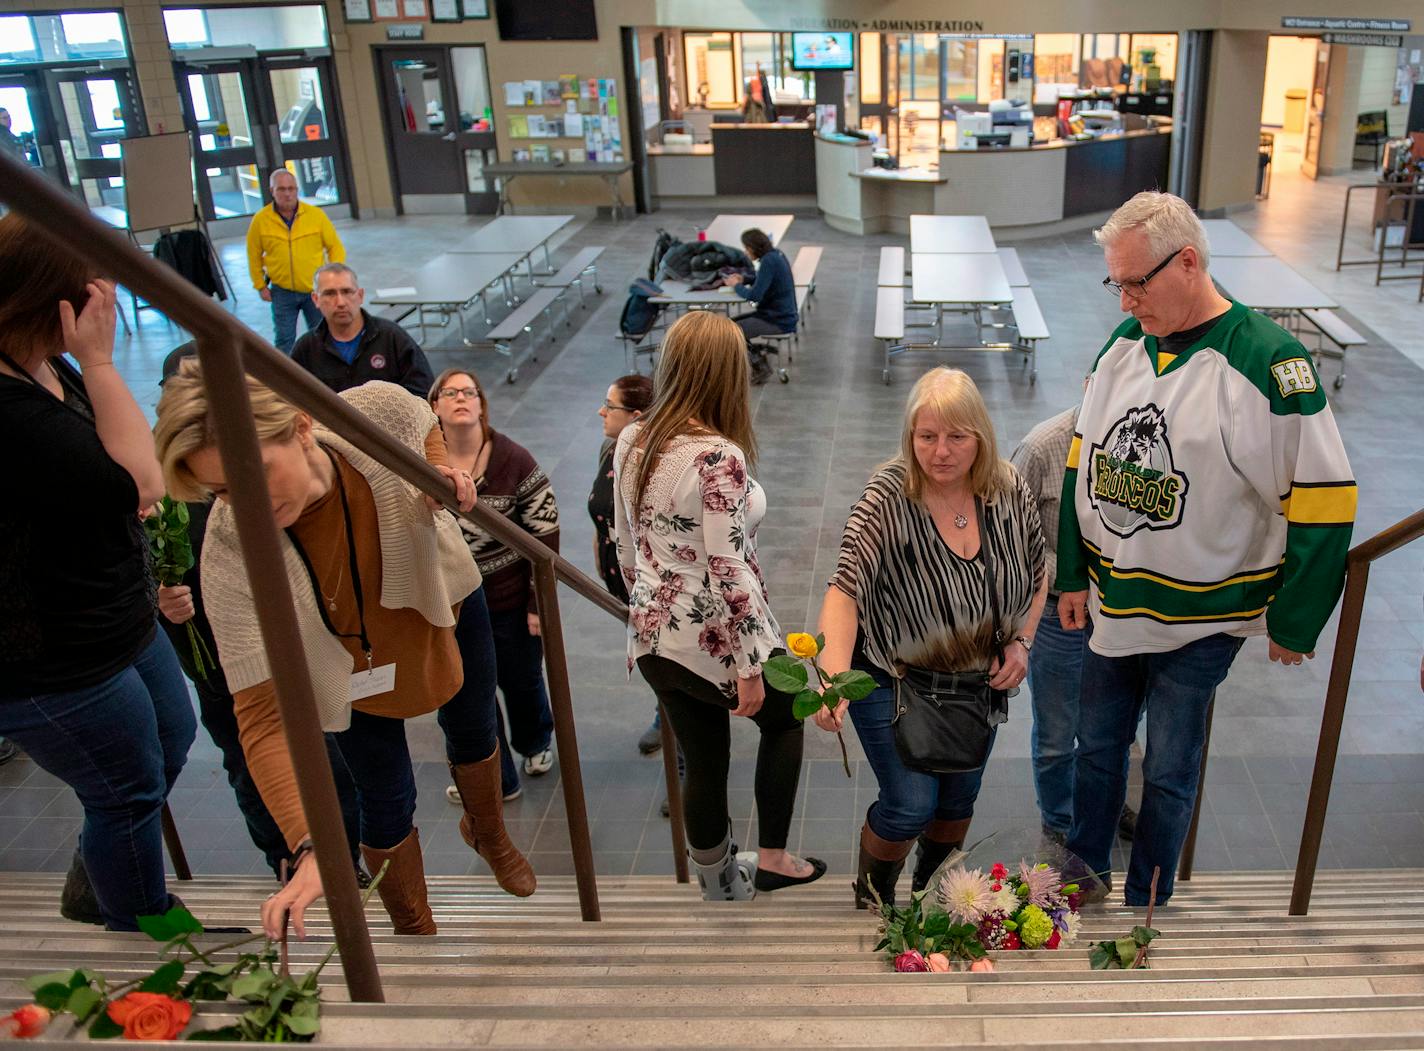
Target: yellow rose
(802, 645)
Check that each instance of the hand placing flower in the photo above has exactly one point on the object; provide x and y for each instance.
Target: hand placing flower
(788, 673)
(150, 1016)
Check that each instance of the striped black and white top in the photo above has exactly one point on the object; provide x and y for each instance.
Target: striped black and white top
(917, 602)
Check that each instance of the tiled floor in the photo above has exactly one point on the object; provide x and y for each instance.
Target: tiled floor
(821, 436)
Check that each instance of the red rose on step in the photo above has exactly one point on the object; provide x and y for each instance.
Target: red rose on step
(24, 1022)
(150, 1016)
(911, 961)
(1053, 939)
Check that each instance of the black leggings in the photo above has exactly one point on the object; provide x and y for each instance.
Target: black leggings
(701, 719)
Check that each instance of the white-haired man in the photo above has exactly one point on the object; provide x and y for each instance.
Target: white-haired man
(287, 241)
(1208, 498)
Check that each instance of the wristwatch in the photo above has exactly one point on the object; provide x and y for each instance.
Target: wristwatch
(1025, 642)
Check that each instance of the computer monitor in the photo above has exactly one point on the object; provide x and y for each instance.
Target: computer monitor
(810, 51)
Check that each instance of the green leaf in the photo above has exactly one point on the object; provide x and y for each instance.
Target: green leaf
(53, 996)
(785, 674)
(1101, 958)
(820, 642)
(164, 980)
(104, 1027)
(82, 1002)
(254, 986)
(1126, 951)
(806, 704)
(831, 696)
(853, 685)
(302, 1025)
(306, 1008)
(39, 981)
(174, 924)
(1144, 935)
(937, 925)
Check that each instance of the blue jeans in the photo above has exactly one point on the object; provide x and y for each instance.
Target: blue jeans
(286, 305)
(1055, 669)
(120, 745)
(909, 799)
(519, 657)
(375, 749)
(1175, 688)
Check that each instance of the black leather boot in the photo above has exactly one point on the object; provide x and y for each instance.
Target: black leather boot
(879, 867)
(936, 842)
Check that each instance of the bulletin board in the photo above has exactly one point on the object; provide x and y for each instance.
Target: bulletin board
(158, 181)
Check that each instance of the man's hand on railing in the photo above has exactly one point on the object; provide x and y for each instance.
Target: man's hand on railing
(464, 489)
(300, 891)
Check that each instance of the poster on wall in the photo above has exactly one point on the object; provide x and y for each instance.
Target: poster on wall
(357, 10)
(514, 93)
(648, 90)
(388, 9)
(476, 8)
(445, 10)
(414, 9)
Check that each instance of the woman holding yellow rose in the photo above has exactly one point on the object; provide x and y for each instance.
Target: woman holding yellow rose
(699, 619)
(939, 586)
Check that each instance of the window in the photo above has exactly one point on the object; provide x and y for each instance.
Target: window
(265, 28)
(961, 70)
(1161, 49)
(711, 70)
(870, 68)
(186, 28)
(66, 37)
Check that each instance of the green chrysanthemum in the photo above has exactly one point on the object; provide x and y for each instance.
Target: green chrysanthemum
(1035, 927)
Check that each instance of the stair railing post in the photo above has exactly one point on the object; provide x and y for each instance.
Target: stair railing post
(241, 454)
(1332, 722)
(676, 824)
(1189, 848)
(551, 634)
(174, 843)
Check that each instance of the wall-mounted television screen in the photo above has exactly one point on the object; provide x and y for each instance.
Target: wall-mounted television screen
(822, 51)
(546, 20)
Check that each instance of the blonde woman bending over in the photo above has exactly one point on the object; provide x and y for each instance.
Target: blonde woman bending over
(379, 574)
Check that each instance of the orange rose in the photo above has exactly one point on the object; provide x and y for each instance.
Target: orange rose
(150, 1016)
(938, 961)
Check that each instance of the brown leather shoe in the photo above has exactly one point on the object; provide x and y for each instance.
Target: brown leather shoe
(878, 867)
(402, 889)
(482, 825)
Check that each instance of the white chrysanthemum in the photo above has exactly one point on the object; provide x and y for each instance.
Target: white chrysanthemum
(1075, 924)
(1006, 901)
(966, 895)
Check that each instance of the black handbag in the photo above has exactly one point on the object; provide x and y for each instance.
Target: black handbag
(944, 721)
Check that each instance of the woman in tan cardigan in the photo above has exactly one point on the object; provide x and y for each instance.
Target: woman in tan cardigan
(384, 587)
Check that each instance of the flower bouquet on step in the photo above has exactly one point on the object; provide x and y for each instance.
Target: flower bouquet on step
(790, 673)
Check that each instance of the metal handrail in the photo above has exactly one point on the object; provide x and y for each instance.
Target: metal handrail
(1332, 720)
(226, 349)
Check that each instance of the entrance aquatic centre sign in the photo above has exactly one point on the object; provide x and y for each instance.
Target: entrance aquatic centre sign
(1350, 25)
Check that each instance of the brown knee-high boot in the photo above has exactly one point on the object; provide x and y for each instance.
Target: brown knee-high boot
(482, 825)
(402, 889)
(935, 844)
(879, 867)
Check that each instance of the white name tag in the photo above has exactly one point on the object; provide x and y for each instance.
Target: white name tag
(374, 682)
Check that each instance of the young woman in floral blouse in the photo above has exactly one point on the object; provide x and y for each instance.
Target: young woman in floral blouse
(700, 623)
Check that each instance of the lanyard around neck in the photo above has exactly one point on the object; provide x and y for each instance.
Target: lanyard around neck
(355, 568)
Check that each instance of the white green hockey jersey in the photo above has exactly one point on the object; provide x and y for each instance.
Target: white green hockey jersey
(1205, 493)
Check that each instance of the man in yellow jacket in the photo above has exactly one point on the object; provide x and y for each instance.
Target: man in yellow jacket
(286, 243)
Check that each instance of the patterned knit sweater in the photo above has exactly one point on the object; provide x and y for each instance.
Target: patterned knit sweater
(425, 564)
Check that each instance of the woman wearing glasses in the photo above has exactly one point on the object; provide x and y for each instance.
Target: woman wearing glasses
(510, 483)
(626, 401)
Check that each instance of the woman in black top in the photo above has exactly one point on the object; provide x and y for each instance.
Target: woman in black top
(87, 686)
(626, 401)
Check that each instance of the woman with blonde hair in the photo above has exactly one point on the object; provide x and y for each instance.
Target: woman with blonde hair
(937, 593)
(387, 599)
(700, 622)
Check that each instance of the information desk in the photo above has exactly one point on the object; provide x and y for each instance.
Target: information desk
(1034, 186)
(763, 159)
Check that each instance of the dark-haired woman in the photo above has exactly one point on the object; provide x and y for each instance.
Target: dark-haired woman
(88, 687)
(627, 399)
(774, 293)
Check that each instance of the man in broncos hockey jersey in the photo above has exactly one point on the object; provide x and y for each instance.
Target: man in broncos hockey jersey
(1207, 499)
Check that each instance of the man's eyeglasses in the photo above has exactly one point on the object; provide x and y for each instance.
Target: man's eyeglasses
(615, 408)
(451, 393)
(1137, 288)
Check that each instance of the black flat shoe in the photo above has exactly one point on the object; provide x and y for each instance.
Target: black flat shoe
(768, 881)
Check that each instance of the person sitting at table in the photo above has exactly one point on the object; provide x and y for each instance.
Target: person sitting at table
(774, 293)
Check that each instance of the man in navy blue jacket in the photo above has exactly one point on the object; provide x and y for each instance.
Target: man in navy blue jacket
(774, 293)
(351, 347)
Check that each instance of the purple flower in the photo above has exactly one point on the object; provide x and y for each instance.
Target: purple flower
(911, 961)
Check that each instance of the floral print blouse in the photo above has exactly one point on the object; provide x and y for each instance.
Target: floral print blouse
(688, 555)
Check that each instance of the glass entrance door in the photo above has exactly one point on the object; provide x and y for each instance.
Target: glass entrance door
(92, 120)
(251, 117)
(25, 131)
